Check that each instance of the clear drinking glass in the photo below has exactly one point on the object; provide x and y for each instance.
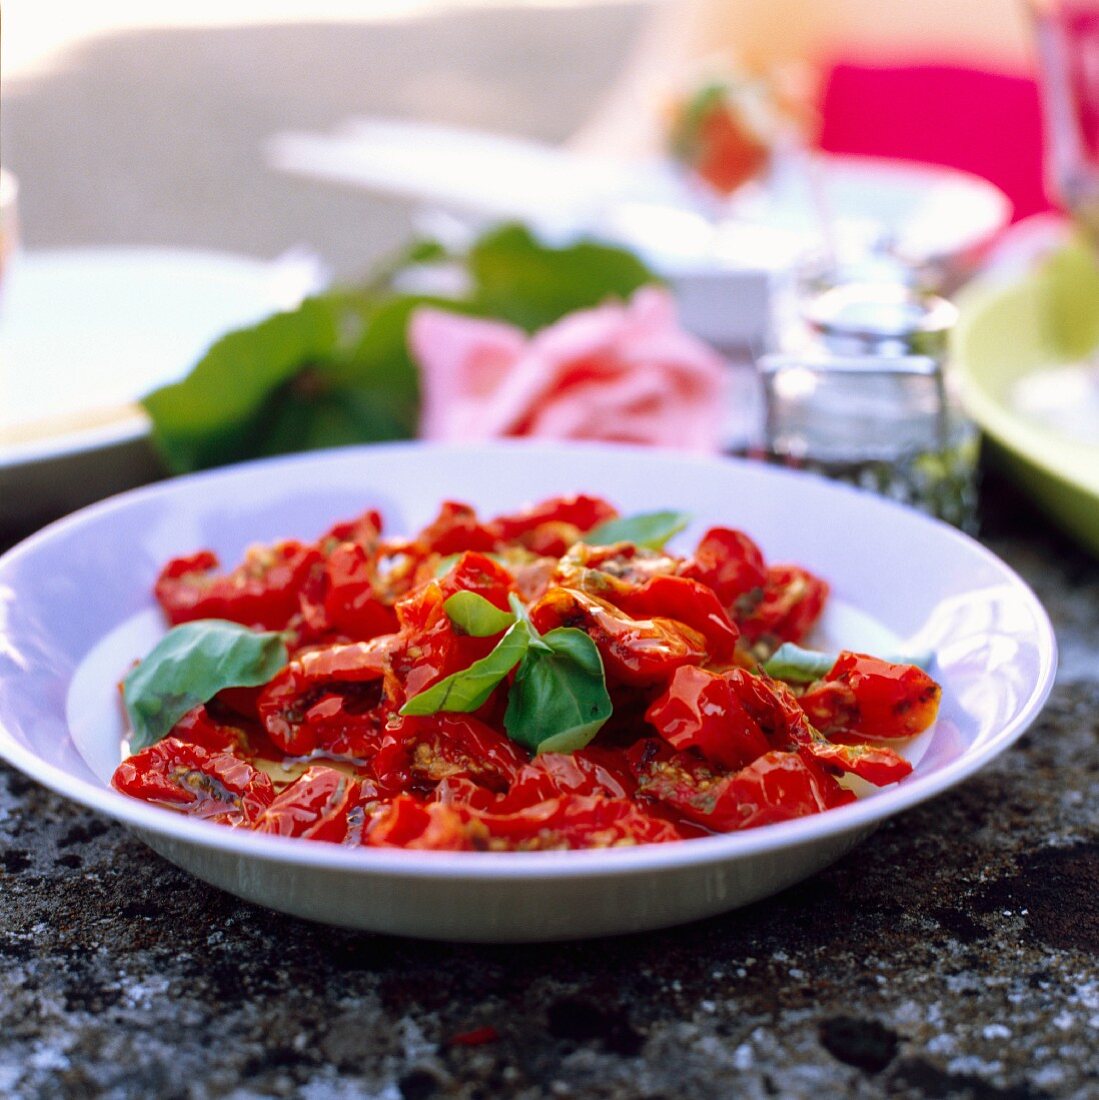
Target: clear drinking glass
(1067, 38)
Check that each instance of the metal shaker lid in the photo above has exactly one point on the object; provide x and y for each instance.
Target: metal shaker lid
(870, 318)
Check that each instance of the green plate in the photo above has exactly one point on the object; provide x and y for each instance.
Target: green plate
(1045, 319)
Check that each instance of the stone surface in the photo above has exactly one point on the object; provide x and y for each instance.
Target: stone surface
(952, 955)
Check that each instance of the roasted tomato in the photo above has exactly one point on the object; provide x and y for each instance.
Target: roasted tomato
(219, 786)
(731, 564)
(634, 651)
(871, 697)
(419, 753)
(352, 603)
(475, 572)
(686, 601)
(427, 647)
(552, 774)
(198, 727)
(551, 527)
(680, 642)
(579, 821)
(701, 710)
(790, 604)
(321, 804)
(455, 529)
(776, 787)
(318, 696)
(263, 592)
(409, 823)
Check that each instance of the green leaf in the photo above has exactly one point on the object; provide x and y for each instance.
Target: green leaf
(649, 529)
(798, 666)
(518, 279)
(474, 615)
(469, 689)
(337, 369)
(559, 699)
(189, 666)
(333, 371)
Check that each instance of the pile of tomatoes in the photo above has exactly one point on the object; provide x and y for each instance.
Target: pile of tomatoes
(701, 740)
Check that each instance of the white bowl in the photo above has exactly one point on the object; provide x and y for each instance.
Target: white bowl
(76, 608)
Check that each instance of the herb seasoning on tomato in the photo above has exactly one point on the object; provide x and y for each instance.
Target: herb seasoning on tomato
(553, 678)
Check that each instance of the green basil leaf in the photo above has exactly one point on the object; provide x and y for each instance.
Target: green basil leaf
(649, 529)
(798, 666)
(474, 615)
(189, 666)
(469, 689)
(559, 699)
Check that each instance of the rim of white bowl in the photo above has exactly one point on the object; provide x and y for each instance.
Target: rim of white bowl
(577, 863)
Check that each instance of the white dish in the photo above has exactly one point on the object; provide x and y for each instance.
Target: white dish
(84, 333)
(75, 608)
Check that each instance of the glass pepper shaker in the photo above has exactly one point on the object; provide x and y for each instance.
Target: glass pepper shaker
(865, 399)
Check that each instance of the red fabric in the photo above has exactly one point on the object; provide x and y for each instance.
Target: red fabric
(987, 123)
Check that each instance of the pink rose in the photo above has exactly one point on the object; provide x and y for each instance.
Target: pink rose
(618, 373)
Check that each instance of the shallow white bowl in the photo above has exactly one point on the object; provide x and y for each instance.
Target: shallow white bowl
(76, 608)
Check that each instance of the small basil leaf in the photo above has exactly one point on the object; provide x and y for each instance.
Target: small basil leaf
(650, 529)
(476, 616)
(802, 666)
(798, 666)
(559, 700)
(469, 689)
(189, 666)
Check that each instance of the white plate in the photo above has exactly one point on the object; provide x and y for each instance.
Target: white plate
(75, 609)
(84, 333)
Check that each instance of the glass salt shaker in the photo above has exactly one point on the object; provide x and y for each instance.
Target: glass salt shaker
(865, 400)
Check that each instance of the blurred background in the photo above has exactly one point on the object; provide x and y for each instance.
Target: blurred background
(134, 122)
(754, 153)
(145, 123)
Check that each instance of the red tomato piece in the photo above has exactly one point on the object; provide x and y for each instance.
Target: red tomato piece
(475, 572)
(351, 603)
(730, 563)
(353, 662)
(876, 764)
(197, 727)
(873, 697)
(701, 710)
(215, 785)
(427, 648)
(579, 821)
(456, 528)
(776, 787)
(363, 531)
(262, 592)
(634, 651)
(320, 695)
(686, 601)
(408, 823)
(553, 526)
(321, 804)
(792, 601)
(551, 774)
(419, 753)
(777, 709)
(580, 511)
